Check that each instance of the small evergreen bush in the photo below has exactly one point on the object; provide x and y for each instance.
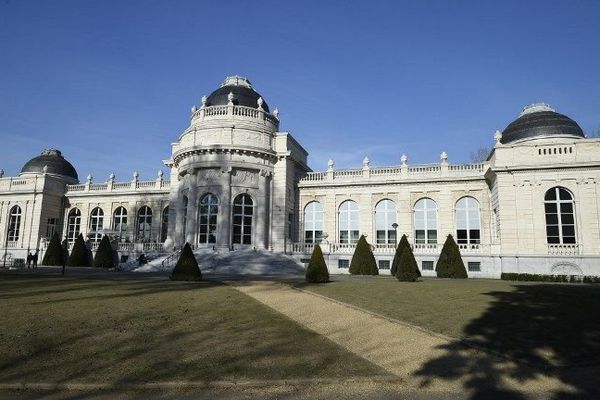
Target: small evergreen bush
(450, 263)
(407, 267)
(104, 255)
(186, 268)
(317, 272)
(363, 260)
(404, 247)
(513, 276)
(79, 254)
(54, 252)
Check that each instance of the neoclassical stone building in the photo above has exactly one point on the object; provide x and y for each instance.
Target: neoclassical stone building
(236, 182)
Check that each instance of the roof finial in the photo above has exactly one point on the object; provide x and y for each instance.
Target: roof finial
(444, 157)
(230, 99)
(498, 136)
(1, 173)
(403, 160)
(260, 102)
(366, 162)
(330, 165)
(276, 112)
(45, 169)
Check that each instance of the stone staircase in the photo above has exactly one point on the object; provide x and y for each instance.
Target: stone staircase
(248, 262)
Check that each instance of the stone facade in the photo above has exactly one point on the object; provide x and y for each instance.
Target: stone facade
(237, 182)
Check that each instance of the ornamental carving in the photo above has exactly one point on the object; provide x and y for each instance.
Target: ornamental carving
(240, 177)
(207, 176)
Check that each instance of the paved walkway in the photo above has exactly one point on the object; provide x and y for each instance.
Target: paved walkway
(399, 348)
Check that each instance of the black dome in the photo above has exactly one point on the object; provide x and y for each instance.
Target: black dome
(55, 162)
(243, 94)
(540, 121)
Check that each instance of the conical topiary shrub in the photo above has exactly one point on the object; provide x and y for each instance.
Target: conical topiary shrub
(104, 255)
(79, 254)
(363, 260)
(407, 267)
(450, 263)
(54, 252)
(317, 272)
(186, 268)
(399, 249)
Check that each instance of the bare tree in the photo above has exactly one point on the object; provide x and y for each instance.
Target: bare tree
(480, 155)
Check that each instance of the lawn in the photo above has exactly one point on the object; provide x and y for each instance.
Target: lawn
(78, 329)
(544, 324)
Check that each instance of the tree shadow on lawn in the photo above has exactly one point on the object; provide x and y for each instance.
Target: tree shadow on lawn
(536, 330)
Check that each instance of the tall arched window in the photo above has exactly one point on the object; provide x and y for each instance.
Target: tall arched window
(73, 224)
(313, 222)
(348, 222)
(243, 209)
(164, 227)
(385, 216)
(120, 223)
(560, 216)
(14, 224)
(425, 221)
(207, 224)
(96, 224)
(144, 224)
(468, 225)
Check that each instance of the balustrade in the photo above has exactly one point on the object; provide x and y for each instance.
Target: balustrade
(564, 249)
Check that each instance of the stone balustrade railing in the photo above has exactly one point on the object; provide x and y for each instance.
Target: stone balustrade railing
(135, 185)
(233, 111)
(17, 184)
(128, 247)
(386, 249)
(397, 173)
(564, 249)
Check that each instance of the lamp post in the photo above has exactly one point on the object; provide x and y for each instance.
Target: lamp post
(395, 226)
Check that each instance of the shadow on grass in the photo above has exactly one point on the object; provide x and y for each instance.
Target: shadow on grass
(547, 330)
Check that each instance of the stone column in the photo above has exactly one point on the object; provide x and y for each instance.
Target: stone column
(224, 218)
(191, 228)
(262, 218)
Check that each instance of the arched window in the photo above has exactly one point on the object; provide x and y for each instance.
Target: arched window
(348, 222)
(96, 223)
(243, 209)
(313, 222)
(14, 224)
(385, 216)
(425, 220)
(164, 228)
(144, 224)
(207, 224)
(560, 216)
(468, 225)
(120, 223)
(73, 224)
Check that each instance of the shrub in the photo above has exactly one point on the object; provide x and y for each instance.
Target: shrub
(403, 247)
(363, 260)
(186, 268)
(407, 267)
(450, 263)
(104, 255)
(79, 254)
(54, 252)
(317, 272)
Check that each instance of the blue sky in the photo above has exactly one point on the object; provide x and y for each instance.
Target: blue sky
(111, 83)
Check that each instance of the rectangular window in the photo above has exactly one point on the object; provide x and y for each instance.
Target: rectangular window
(384, 264)
(427, 265)
(474, 266)
(344, 264)
(51, 227)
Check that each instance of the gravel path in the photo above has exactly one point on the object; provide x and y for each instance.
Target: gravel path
(399, 348)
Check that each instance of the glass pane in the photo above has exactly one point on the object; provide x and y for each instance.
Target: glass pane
(551, 219)
(552, 230)
(461, 236)
(474, 236)
(550, 194)
(568, 230)
(567, 219)
(553, 240)
(569, 240)
(564, 194)
(550, 208)
(566, 207)
(420, 236)
(432, 236)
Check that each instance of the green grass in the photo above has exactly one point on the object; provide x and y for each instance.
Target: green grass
(72, 329)
(547, 324)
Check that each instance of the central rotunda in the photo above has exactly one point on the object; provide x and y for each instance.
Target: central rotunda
(234, 174)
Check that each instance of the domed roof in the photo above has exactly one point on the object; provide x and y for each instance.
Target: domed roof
(243, 94)
(539, 121)
(55, 162)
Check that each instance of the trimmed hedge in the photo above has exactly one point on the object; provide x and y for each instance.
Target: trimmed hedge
(513, 276)
(363, 260)
(411, 268)
(79, 254)
(317, 272)
(450, 263)
(186, 268)
(105, 254)
(54, 252)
